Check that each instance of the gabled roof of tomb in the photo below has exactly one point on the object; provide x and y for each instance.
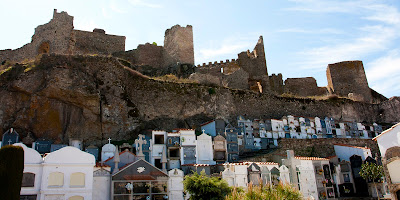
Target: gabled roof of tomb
(310, 158)
(346, 145)
(388, 130)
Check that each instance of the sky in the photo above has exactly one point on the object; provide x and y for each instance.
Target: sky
(301, 37)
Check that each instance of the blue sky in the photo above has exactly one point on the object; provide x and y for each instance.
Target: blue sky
(301, 37)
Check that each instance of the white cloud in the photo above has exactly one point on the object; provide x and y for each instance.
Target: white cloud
(85, 24)
(114, 7)
(384, 73)
(319, 31)
(227, 48)
(378, 35)
(144, 4)
(318, 6)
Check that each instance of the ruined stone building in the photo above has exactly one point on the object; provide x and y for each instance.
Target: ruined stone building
(248, 71)
(59, 37)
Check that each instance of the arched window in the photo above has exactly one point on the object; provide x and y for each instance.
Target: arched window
(392, 152)
(77, 180)
(28, 179)
(76, 198)
(56, 179)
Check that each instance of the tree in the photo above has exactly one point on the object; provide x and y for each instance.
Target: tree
(202, 187)
(371, 171)
(11, 171)
(277, 192)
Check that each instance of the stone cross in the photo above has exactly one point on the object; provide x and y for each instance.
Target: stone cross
(139, 142)
(9, 142)
(204, 131)
(109, 140)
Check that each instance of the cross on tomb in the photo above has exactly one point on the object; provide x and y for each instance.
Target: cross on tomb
(204, 131)
(140, 143)
(9, 142)
(109, 140)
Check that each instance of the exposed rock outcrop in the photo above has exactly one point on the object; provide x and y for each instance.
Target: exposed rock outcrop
(93, 98)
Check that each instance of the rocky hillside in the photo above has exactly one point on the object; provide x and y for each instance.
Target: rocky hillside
(92, 98)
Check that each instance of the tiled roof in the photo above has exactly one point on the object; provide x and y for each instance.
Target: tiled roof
(310, 158)
(346, 145)
(99, 164)
(206, 123)
(386, 131)
(249, 163)
(120, 154)
(196, 165)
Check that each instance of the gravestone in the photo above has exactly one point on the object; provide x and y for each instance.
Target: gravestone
(93, 150)
(107, 151)
(229, 176)
(55, 147)
(10, 137)
(43, 146)
(175, 184)
(254, 172)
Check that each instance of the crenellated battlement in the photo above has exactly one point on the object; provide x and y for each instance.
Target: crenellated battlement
(217, 64)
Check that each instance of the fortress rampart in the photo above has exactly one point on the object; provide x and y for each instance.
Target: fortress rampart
(58, 36)
(248, 71)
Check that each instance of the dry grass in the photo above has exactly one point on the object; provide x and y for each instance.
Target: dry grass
(174, 79)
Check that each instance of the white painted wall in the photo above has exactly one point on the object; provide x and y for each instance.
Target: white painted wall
(68, 160)
(241, 176)
(175, 184)
(345, 152)
(204, 150)
(101, 188)
(32, 164)
(388, 138)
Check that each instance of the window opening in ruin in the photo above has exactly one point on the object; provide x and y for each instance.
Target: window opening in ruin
(159, 139)
(44, 48)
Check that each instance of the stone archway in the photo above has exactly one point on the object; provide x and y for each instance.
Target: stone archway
(44, 48)
(392, 152)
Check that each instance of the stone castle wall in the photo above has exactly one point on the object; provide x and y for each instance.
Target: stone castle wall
(304, 87)
(348, 79)
(276, 83)
(58, 36)
(53, 37)
(97, 42)
(178, 42)
(247, 72)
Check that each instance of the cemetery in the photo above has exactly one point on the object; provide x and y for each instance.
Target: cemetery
(149, 166)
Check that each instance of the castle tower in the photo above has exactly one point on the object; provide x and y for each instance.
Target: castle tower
(348, 79)
(255, 65)
(178, 43)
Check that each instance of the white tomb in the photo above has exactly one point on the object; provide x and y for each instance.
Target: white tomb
(107, 151)
(175, 184)
(204, 150)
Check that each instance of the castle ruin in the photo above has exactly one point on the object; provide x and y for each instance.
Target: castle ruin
(247, 72)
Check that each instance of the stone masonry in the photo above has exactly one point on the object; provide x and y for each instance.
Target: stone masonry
(178, 42)
(304, 87)
(348, 79)
(58, 36)
(247, 72)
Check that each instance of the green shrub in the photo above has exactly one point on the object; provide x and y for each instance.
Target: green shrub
(11, 171)
(277, 192)
(202, 187)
